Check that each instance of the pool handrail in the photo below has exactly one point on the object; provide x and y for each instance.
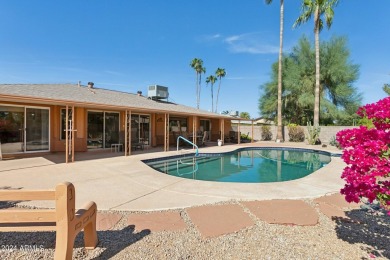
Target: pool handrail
(188, 141)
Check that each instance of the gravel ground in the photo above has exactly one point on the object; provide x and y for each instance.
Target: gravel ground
(366, 237)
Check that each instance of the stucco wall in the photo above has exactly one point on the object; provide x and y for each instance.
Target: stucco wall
(327, 132)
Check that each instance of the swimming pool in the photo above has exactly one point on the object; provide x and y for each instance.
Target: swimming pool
(245, 165)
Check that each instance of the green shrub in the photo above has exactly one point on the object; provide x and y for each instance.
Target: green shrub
(296, 133)
(314, 134)
(333, 142)
(245, 138)
(266, 134)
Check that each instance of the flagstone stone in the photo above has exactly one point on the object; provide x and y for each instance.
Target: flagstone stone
(287, 212)
(157, 221)
(331, 211)
(106, 221)
(217, 220)
(337, 200)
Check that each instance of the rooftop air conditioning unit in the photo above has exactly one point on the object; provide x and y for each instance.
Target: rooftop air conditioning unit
(233, 113)
(158, 92)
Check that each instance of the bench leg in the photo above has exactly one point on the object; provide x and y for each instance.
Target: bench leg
(64, 246)
(90, 234)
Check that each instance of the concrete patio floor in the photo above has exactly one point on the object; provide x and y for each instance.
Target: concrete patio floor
(127, 184)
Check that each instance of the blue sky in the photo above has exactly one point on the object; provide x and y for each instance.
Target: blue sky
(129, 45)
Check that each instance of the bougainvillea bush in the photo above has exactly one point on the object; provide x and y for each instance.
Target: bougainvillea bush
(366, 152)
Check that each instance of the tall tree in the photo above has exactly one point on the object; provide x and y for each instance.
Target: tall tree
(245, 115)
(220, 73)
(317, 8)
(339, 98)
(386, 88)
(279, 134)
(197, 65)
(211, 79)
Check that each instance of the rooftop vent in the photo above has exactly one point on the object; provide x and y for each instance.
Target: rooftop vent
(157, 92)
(233, 113)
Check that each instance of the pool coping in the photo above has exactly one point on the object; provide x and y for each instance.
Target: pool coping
(148, 162)
(127, 184)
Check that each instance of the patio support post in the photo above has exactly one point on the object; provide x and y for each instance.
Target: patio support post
(252, 133)
(127, 150)
(66, 134)
(69, 135)
(125, 126)
(194, 127)
(72, 133)
(130, 138)
(222, 127)
(239, 134)
(166, 132)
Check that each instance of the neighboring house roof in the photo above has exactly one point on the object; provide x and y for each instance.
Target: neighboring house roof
(241, 121)
(264, 121)
(73, 94)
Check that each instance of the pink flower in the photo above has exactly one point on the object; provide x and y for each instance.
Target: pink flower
(367, 154)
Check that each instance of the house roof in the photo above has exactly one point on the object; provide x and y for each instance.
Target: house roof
(73, 94)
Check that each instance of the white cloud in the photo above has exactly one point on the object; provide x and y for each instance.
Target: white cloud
(115, 73)
(253, 43)
(209, 38)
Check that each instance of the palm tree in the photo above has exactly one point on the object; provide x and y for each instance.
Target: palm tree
(279, 135)
(245, 115)
(220, 73)
(211, 79)
(197, 65)
(317, 8)
(386, 88)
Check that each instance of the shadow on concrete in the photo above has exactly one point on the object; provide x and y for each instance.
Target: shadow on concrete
(111, 242)
(366, 228)
(8, 204)
(114, 241)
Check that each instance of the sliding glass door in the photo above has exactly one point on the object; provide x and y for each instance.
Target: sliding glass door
(140, 129)
(37, 129)
(95, 130)
(24, 129)
(12, 129)
(111, 129)
(103, 129)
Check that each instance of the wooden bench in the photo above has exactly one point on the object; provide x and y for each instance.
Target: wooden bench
(63, 219)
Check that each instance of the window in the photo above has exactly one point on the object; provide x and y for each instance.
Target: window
(178, 124)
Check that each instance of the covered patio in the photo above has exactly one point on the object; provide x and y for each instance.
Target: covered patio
(72, 118)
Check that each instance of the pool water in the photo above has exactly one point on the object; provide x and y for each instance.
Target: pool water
(248, 165)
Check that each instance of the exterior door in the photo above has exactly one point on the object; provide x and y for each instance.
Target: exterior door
(103, 129)
(12, 129)
(37, 129)
(205, 125)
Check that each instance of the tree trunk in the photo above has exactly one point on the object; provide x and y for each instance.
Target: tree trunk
(317, 86)
(216, 102)
(279, 135)
(200, 88)
(197, 90)
(212, 97)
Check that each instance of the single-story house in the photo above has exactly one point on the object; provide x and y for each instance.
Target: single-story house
(73, 117)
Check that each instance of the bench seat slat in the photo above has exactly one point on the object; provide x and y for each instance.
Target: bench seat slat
(23, 216)
(16, 195)
(12, 227)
